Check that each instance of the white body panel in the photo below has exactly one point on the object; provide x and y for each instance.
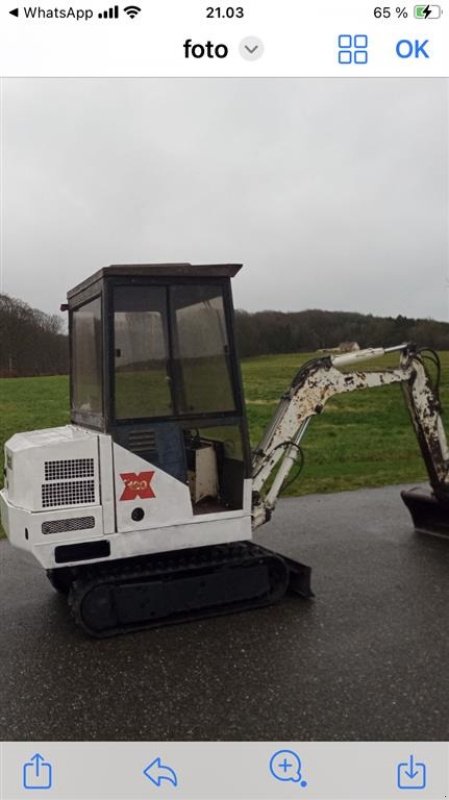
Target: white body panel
(168, 522)
(107, 483)
(24, 528)
(27, 455)
(169, 505)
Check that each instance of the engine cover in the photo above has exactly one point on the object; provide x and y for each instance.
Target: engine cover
(52, 468)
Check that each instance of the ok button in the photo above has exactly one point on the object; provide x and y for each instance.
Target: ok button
(412, 48)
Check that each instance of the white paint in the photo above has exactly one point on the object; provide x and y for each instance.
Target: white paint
(28, 453)
(171, 503)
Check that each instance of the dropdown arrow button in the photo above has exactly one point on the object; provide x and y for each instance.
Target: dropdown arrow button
(251, 48)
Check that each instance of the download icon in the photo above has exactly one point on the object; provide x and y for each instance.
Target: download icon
(411, 774)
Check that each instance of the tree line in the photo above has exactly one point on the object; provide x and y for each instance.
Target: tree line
(34, 343)
(265, 332)
(31, 342)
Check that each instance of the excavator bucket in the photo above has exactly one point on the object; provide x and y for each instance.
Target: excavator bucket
(429, 514)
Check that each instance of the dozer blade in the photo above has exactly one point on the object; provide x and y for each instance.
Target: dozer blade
(429, 514)
(146, 592)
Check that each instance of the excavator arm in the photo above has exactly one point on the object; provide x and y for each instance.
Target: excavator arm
(319, 380)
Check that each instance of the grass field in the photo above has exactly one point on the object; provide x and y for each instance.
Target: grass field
(362, 439)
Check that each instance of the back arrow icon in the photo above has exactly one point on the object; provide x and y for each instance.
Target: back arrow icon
(156, 772)
(15, 12)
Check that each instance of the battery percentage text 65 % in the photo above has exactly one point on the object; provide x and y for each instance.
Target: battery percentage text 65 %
(386, 12)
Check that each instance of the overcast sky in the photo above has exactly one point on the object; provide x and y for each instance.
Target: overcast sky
(333, 193)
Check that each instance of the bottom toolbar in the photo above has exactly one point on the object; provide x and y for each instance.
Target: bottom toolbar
(224, 771)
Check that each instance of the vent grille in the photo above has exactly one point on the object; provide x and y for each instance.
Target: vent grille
(73, 524)
(140, 441)
(68, 494)
(69, 469)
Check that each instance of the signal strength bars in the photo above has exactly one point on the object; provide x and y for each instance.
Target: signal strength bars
(113, 12)
(109, 13)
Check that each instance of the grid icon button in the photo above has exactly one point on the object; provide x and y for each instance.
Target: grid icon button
(353, 49)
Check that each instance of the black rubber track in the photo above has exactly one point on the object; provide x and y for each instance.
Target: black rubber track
(135, 594)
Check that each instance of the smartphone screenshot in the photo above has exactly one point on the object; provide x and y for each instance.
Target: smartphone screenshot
(224, 393)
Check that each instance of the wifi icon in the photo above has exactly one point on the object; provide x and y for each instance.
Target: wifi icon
(132, 11)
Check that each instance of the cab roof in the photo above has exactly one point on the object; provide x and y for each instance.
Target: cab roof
(169, 270)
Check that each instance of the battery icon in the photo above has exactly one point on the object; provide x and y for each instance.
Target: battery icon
(427, 12)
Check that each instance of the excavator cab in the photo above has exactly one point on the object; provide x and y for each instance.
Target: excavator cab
(154, 365)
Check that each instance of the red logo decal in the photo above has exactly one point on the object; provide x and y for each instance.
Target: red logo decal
(137, 485)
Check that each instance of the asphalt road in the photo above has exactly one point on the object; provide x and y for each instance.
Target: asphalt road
(367, 659)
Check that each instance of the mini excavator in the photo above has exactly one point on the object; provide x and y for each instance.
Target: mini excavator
(142, 509)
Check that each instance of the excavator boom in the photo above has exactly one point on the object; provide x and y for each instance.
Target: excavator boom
(319, 380)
